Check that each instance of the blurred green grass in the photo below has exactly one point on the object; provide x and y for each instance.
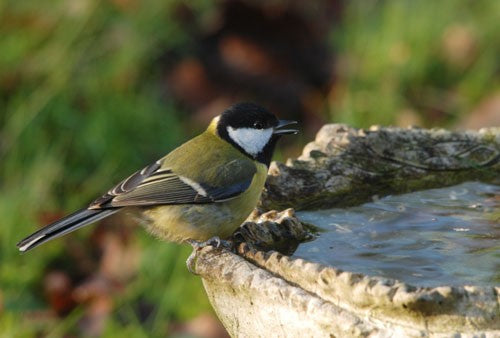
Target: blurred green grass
(82, 105)
(80, 109)
(429, 62)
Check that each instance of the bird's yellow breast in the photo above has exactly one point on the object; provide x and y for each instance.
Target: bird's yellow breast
(204, 221)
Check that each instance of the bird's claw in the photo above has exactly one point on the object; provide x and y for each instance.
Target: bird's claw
(215, 241)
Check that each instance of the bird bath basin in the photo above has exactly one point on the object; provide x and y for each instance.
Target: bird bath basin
(447, 236)
(410, 248)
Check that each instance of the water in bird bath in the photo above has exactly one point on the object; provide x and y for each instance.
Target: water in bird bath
(448, 236)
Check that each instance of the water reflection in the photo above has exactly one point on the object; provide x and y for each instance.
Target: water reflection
(446, 236)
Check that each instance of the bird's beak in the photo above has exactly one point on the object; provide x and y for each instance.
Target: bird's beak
(283, 123)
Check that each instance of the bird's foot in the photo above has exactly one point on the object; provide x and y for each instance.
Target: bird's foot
(214, 241)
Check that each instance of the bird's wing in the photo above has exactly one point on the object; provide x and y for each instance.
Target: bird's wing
(156, 185)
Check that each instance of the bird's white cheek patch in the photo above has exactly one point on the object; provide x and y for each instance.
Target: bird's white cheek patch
(250, 139)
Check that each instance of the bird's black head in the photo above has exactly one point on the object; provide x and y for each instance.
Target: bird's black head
(252, 129)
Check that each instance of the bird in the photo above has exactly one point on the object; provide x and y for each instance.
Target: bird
(202, 190)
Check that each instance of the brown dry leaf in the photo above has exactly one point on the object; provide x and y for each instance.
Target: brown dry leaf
(95, 287)
(408, 117)
(459, 45)
(41, 318)
(246, 56)
(58, 289)
(126, 5)
(188, 81)
(204, 326)
(97, 294)
(118, 253)
(92, 324)
(119, 261)
(206, 113)
(271, 53)
(47, 217)
(486, 114)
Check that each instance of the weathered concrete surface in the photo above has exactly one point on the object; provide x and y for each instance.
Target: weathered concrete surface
(279, 231)
(345, 166)
(259, 294)
(268, 295)
(251, 302)
(430, 310)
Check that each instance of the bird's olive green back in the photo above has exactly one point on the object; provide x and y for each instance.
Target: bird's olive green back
(208, 158)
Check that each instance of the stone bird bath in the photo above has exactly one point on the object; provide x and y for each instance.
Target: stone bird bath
(261, 291)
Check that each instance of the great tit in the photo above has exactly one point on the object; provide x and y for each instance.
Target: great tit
(203, 189)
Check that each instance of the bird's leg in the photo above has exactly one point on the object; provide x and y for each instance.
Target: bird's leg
(214, 241)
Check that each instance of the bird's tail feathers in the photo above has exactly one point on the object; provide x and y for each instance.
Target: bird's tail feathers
(63, 226)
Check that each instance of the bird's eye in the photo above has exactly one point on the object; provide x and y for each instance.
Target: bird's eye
(258, 125)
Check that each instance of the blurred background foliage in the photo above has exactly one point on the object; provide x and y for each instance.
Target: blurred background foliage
(92, 90)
